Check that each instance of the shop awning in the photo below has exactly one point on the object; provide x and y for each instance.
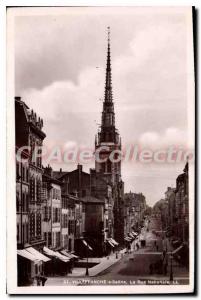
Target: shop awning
(48, 251)
(27, 255)
(55, 254)
(73, 255)
(128, 239)
(87, 245)
(111, 244)
(114, 242)
(177, 250)
(37, 254)
(62, 257)
(69, 255)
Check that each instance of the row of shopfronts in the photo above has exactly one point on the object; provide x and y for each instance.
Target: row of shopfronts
(174, 214)
(33, 263)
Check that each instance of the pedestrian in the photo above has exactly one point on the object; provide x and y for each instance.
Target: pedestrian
(43, 280)
(165, 268)
(38, 280)
(157, 248)
(151, 269)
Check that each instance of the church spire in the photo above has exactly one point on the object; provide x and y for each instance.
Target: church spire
(108, 82)
(108, 131)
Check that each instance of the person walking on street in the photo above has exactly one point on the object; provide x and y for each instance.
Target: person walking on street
(38, 280)
(151, 269)
(43, 280)
(155, 244)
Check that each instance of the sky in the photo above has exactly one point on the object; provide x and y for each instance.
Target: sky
(60, 61)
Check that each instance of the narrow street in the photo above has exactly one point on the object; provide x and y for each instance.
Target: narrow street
(134, 267)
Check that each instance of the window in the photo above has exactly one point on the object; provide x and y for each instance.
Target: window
(17, 202)
(27, 174)
(39, 150)
(56, 214)
(45, 218)
(38, 191)
(45, 238)
(83, 193)
(70, 245)
(38, 224)
(49, 238)
(23, 233)
(27, 203)
(64, 220)
(57, 239)
(18, 232)
(32, 189)
(56, 194)
(23, 202)
(22, 175)
(17, 171)
(71, 226)
(27, 232)
(103, 167)
(32, 225)
(83, 207)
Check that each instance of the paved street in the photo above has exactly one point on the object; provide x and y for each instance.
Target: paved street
(132, 268)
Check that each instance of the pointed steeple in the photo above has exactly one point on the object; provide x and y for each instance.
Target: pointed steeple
(108, 82)
(108, 131)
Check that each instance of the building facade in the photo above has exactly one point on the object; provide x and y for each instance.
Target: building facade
(28, 139)
(134, 212)
(52, 203)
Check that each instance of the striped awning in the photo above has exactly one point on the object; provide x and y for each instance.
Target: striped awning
(49, 251)
(27, 255)
(110, 243)
(62, 257)
(87, 245)
(37, 254)
(64, 252)
(56, 254)
(128, 239)
(177, 250)
(114, 242)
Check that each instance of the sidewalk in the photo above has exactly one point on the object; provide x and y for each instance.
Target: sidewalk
(104, 264)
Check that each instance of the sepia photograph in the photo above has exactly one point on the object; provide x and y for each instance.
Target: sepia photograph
(101, 150)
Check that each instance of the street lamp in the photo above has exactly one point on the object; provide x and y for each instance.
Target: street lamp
(19, 178)
(87, 268)
(86, 245)
(171, 269)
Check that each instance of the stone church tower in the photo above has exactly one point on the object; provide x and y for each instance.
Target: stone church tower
(107, 147)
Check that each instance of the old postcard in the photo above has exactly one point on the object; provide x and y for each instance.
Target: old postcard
(100, 143)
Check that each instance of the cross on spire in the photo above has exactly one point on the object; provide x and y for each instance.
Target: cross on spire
(108, 33)
(108, 81)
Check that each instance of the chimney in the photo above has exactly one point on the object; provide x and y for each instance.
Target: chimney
(17, 98)
(48, 171)
(79, 167)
